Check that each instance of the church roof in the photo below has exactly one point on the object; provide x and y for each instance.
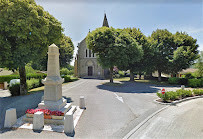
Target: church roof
(105, 22)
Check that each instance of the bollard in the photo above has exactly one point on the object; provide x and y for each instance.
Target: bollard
(5, 85)
(42, 99)
(82, 102)
(69, 124)
(182, 87)
(10, 118)
(38, 121)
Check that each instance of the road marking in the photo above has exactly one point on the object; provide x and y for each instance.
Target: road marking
(119, 98)
(74, 86)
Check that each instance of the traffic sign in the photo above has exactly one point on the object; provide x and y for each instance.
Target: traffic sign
(163, 91)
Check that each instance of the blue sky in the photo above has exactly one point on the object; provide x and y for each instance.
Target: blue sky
(78, 16)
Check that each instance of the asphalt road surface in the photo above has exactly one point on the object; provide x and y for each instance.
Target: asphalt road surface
(185, 120)
(112, 111)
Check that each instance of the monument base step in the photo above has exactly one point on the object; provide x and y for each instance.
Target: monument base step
(52, 105)
(68, 108)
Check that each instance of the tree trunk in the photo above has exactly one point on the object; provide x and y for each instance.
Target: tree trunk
(23, 85)
(131, 76)
(111, 74)
(159, 75)
(140, 75)
(150, 75)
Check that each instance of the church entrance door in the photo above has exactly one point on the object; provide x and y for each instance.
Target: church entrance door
(90, 71)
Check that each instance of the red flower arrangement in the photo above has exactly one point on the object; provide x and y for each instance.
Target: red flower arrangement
(45, 111)
(57, 113)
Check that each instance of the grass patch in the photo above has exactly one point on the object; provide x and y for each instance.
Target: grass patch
(143, 81)
(112, 84)
(122, 79)
(152, 82)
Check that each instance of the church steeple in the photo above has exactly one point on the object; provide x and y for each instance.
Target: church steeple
(105, 22)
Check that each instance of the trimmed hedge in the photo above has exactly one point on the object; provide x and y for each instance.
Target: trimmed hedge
(179, 94)
(195, 82)
(7, 78)
(188, 82)
(174, 80)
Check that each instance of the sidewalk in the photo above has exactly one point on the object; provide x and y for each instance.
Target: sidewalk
(181, 121)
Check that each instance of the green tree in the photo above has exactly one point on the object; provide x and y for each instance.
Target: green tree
(66, 49)
(145, 63)
(101, 41)
(109, 45)
(133, 52)
(163, 45)
(185, 53)
(199, 65)
(173, 52)
(26, 30)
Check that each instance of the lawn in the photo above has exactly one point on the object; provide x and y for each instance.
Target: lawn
(142, 81)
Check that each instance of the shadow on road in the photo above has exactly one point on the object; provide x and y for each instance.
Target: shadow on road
(131, 87)
(69, 100)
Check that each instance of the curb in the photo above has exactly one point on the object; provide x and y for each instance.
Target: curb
(143, 122)
(155, 113)
(178, 101)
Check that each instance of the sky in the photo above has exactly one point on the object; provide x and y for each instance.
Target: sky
(80, 16)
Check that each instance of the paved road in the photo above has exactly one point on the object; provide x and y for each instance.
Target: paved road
(185, 120)
(111, 111)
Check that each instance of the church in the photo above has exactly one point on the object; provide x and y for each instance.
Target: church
(86, 65)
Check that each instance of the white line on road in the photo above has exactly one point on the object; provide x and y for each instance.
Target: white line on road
(119, 98)
(74, 86)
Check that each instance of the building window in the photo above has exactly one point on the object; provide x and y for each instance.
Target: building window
(86, 52)
(90, 53)
(93, 54)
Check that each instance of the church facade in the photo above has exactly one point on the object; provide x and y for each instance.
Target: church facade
(86, 65)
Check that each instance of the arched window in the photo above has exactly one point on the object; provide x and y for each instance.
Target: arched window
(86, 52)
(90, 53)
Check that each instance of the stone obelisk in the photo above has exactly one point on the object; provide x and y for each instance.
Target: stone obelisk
(53, 83)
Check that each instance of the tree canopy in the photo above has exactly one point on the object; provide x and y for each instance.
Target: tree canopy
(173, 52)
(66, 49)
(26, 31)
(114, 47)
(145, 63)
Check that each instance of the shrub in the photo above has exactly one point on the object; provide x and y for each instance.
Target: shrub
(15, 89)
(164, 97)
(184, 93)
(7, 78)
(36, 75)
(189, 76)
(121, 73)
(172, 95)
(198, 91)
(195, 82)
(173, 80)
(32, 83)
(67, 78)
(183, 81)
(65, 71)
